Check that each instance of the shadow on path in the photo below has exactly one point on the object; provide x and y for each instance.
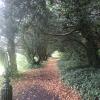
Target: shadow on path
(37, 93)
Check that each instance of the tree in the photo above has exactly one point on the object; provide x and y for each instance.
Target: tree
(35, 45)
(80, 18)
(10, 31)
(33, 24)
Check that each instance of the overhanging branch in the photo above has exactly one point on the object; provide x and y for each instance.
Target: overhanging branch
(79, 42)
(62, 34)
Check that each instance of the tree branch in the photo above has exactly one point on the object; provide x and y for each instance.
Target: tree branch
(62, 34)
(76, 40)
(79, 42)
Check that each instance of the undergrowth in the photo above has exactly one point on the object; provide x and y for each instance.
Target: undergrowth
(80, 76)
(85, 80)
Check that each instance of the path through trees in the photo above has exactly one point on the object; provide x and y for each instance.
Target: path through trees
(43, 84)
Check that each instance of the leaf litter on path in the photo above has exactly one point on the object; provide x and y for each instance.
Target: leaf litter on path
(43, 84)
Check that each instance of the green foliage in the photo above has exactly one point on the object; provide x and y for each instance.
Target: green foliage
(34, 40)
(37, 66)
(1, 82)
(76, 73)
(74, 56)
(85, 80)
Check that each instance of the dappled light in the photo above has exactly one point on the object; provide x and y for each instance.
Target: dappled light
(36, 59)
(56, 54)
(22, 63)
(3, 62)
(2, 70)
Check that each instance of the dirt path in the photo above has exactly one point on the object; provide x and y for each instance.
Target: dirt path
(43, 84)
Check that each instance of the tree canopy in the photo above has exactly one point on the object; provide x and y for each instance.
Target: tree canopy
(35, 25)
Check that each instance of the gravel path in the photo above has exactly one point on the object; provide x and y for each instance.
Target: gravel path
(43, 84)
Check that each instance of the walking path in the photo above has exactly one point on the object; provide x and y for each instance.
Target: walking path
(43, 84)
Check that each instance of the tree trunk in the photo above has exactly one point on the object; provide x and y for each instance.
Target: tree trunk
(30, 56)
(42, 52)
(12, 56)
(92, 53)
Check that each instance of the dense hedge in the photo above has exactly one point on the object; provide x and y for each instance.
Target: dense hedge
(79, 75)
